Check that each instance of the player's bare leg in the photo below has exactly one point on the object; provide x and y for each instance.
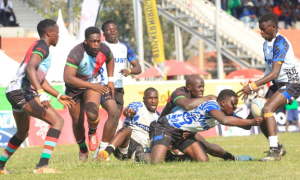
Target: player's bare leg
(158, 153)
(270, 125)
(110, 125)
(196, 152)
(92, 102)
(77, 114)
(121, 141)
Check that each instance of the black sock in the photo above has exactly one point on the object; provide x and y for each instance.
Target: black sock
(82, 146)
(12, 145)
(228, 156)
(109, 149)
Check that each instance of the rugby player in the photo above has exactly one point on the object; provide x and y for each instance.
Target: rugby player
(82, 77)
(188, 98)
(134, 133)
(122, 53)
(281, 68)
(169, 128)
(27, 96)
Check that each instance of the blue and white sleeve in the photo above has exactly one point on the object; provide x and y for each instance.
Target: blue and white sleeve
(134, 106)
(280, 48)
(211, 105)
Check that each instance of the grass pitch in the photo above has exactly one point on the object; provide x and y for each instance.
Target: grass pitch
(65, 158)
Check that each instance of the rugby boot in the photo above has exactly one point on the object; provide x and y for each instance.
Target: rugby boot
(102, 156)
(5, 171)
(45, 170)
(93, 141)
(281, 149)
(83, 157)
(272, 156)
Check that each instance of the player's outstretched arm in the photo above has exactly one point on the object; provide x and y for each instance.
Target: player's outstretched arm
(110, 66)
(234, 121)
(72, 80)
(188, 104)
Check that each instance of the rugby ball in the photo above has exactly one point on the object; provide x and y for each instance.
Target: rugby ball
(256, 106)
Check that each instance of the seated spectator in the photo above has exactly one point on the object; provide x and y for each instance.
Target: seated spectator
(283, 15)
(6, 8)
(234, 7)
(296, 13)
(248, 14)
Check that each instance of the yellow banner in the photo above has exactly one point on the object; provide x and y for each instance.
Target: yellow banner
(154, 31)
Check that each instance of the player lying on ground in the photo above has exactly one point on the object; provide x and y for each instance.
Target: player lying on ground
(188, 98)
(122, 53)
(27, 95)
(169, 128)
(281, 68)
(83, 82)
(134, 133)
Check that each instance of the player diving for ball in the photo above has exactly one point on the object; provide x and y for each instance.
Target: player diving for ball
(281, 68)
(169, 128)
(134, 133)
(188, 98)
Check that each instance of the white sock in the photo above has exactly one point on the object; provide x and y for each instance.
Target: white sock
(273, 141)
(124, 150)
(102, 146)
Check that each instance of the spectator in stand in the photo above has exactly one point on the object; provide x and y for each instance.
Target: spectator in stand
(296, 13)
(269, 6)
(234, 7)
(283, 14)
(249, 15)
(292, 114)
(260, 7)
(277, 2)
(6, 8)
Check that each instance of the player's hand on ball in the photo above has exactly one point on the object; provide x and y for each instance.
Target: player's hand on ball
(100, 88)
(129, 112)
(257, 121)
(125, 72)
(66, 101)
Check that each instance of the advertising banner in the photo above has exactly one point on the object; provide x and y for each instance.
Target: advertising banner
(155, 35)
(7, 127)
(89, 14)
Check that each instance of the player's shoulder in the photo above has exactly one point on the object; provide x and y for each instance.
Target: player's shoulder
(209, 105)
(41, 44)
(137, 104)
(281, 40)
(79, 48)
(124, 44)
(179, 91)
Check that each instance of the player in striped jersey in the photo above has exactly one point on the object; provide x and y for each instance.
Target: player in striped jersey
(27, 95)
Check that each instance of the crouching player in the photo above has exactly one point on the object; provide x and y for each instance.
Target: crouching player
(134, 133)
(170, 128)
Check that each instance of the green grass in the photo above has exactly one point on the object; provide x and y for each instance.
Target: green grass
(65, 157)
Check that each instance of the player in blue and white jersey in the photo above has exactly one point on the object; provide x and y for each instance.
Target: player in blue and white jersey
(170, 128)
(134, 133)
(281, 68)
(122, 53)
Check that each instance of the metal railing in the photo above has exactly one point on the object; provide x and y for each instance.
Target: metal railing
(49, 9)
